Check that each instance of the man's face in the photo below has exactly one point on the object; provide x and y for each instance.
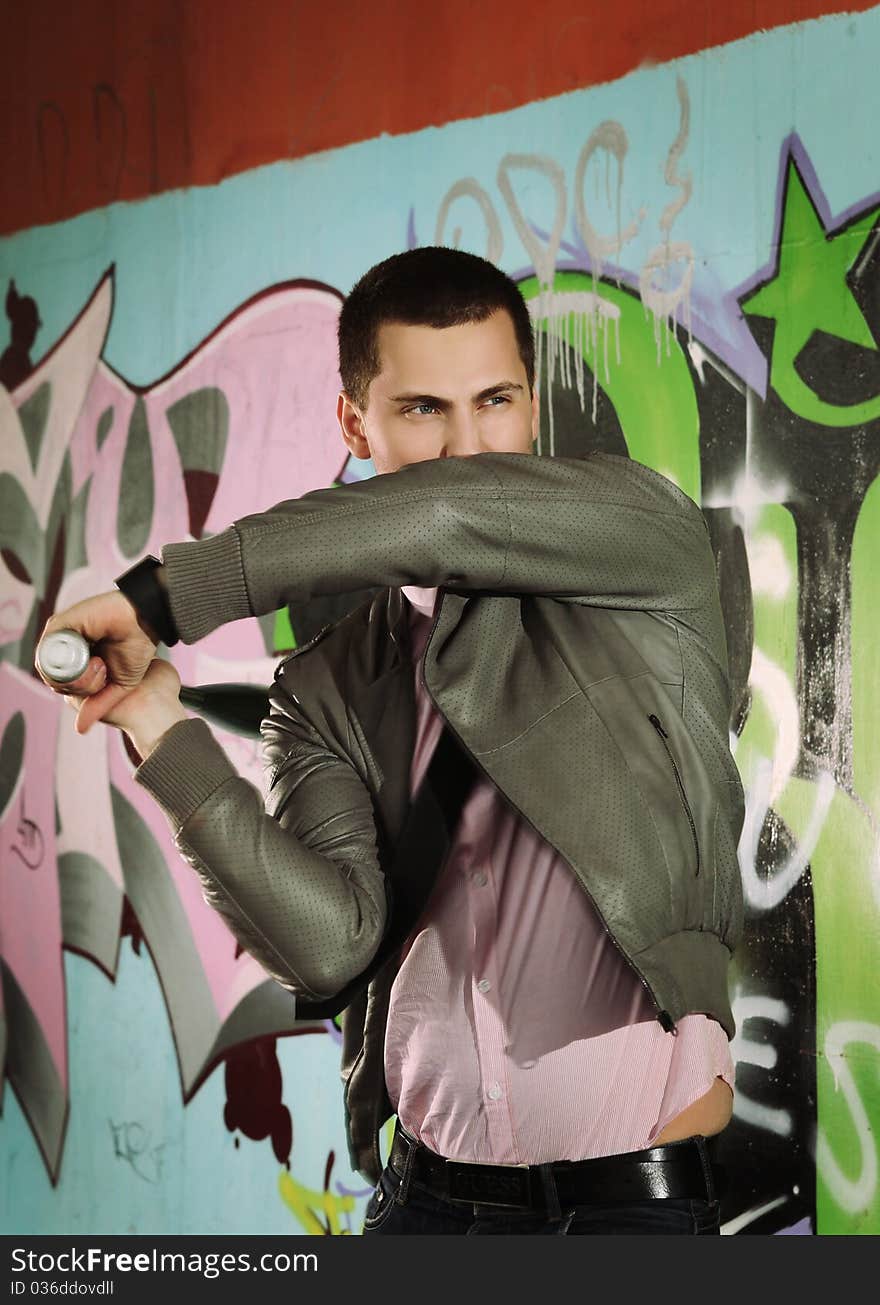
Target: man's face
(443, 393)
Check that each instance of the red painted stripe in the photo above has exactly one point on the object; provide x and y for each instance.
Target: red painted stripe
(105, 100)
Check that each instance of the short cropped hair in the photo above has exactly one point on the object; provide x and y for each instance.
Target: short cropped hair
(430, 286)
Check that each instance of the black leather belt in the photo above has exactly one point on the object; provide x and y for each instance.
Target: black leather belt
(678, 1169)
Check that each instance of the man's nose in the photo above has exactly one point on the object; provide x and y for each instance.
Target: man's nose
(463, 436)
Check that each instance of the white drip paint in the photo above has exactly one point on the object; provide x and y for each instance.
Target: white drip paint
(610, 137)
(566, 327)
(573, 321)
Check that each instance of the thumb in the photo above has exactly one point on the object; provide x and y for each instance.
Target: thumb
(99, 705)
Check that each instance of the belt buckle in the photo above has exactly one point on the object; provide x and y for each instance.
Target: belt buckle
(507, 1186)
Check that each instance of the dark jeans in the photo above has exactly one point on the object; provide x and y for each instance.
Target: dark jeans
(422, 1212)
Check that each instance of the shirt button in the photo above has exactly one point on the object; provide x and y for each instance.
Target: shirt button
(480, 879)
(495, 1092)
(484, 985)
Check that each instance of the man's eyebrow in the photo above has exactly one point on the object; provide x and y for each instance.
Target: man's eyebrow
(418, 398)
(503, 387)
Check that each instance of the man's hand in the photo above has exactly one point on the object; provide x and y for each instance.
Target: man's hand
(123, 650)
(144, 712)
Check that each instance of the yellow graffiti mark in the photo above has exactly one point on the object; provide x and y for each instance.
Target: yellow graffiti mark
(308, 1206)
(386, 1138)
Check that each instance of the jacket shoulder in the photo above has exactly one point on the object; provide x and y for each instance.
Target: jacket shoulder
(640, 477)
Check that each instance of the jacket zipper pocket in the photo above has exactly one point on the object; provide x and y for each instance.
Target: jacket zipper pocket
(655, 721)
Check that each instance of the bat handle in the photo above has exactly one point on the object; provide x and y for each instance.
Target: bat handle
(63, 656)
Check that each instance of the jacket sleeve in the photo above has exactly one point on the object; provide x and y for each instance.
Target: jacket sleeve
(603, 530)
(297, 879)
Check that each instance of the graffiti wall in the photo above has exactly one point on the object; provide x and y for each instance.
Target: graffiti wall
(698, 244)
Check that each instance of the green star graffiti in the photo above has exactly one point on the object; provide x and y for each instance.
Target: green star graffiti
(808, 293)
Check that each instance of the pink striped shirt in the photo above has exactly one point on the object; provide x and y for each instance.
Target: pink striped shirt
(517, 1033)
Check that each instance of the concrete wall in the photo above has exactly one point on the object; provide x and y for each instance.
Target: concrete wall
(698, 238)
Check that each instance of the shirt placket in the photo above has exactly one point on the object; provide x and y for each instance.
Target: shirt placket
(489, 1034)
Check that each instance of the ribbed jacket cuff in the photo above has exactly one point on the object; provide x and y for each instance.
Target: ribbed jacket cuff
(184, 769)
(206, 586)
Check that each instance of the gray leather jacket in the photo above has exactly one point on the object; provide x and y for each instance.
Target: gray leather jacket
(578, 654)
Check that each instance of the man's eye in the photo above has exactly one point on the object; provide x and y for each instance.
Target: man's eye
(495, 400)
(422, 409)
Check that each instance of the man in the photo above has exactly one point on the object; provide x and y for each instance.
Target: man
(550, 1024)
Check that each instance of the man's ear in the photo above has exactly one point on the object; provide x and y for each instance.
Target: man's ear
(536, 413)
(351, 423)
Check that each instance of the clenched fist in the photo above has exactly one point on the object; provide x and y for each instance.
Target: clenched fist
(122, 648)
